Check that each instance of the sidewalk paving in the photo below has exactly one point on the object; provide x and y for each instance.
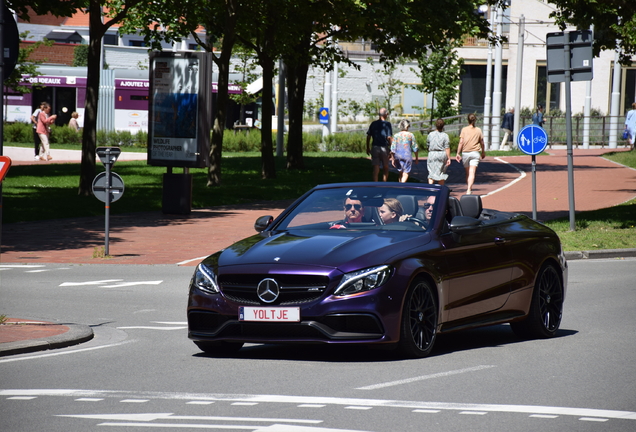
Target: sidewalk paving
(505, 183)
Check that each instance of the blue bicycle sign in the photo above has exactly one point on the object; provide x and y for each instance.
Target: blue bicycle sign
(532, 140)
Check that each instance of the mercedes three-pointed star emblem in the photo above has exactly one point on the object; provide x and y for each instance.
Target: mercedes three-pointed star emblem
(268, 290)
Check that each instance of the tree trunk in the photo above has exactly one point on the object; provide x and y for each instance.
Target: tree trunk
(89, 134)
(268, 170)
(296, 82)
(222, 96)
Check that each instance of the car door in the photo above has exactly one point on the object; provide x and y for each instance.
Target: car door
(478, 269)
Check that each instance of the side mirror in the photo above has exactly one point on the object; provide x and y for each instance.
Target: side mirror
(464, 225)
(263, 222)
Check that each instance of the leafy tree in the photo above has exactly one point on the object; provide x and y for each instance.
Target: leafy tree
(24, 66)
(80, 55)
(614, 23)
(439, 72)
(246, 68)
(389, 84)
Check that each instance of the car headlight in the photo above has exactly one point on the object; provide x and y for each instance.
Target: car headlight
(363, 280)
(205, 279)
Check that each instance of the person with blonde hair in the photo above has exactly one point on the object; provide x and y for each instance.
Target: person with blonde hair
(391, 211)
(470, 150)
(439, 157)
(73, 122)
(401, 148)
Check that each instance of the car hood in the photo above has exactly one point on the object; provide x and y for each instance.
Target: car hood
(336, 249)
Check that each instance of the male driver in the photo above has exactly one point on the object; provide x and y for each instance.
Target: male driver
(428, 208)
(382, 133)
(354, 211)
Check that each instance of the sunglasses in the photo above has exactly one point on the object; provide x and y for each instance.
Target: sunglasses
(427, 205)
(355, 206)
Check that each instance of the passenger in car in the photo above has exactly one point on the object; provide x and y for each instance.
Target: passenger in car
(353, 212)
(391, 211)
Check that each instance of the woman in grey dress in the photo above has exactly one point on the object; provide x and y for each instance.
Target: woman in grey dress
(438, 154)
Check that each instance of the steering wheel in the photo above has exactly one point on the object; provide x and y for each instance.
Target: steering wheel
(418, 221)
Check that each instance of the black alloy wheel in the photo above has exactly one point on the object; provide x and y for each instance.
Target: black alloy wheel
(419, 320)
(546, 309)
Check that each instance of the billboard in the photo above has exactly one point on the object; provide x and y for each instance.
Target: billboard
(179, 109)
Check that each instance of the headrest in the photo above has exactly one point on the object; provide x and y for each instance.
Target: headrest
(471, 205)
(409, 204)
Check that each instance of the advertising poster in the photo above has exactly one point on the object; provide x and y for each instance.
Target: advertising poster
(175, 109)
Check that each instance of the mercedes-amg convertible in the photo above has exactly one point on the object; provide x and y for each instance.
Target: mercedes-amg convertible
(379, 263)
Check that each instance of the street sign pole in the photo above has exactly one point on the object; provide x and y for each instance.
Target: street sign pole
(568, 129)
(534, 187)
(532, 140)
(107, 208)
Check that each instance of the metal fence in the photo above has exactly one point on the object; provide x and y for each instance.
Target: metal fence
(599, 129)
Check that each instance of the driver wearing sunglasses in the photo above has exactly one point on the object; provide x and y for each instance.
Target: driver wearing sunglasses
(354, 211)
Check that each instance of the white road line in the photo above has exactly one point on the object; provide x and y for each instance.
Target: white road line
(149, 417)
(128, 284)
(65, 352)
(193, 259)
(99, 282)
(521, 177)
(151, 328)
(10, 266)
(171, 322)
(326, 400)
(425, 377)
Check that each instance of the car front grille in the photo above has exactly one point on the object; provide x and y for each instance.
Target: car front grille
(294, 289)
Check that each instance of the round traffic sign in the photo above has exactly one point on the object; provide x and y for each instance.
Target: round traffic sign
(532, 139)
(116, 187)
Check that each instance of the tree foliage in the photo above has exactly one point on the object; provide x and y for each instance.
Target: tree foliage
(24, 66)
(614, 23)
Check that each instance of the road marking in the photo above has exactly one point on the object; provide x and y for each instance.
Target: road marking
(171, 322)
(100, 282)
(425, 377)
(65, 352)
(522, 175)
(544, 416)
(326, 400)
(426, 411)
(149, 417)
(190, 260)
(473, 412)
(271, 428)
(89, 399)
(134, 400)
(105, 283)
(151, 328)
(362, 408)
(10, 266)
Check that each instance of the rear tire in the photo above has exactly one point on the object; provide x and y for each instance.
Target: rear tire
(219, 349)
(419, 320)
(546, 308)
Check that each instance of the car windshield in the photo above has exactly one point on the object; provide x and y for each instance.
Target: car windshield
(364, 208)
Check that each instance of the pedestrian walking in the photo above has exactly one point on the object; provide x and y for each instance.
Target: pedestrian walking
(470, 150)
(379, 138)
(537, 117)
(507, 125)
(36, 137)
(44, 131)
(401, 148)
(630, 125)
(439, 158)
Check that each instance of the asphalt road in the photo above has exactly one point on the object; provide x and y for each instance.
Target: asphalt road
(141, 371)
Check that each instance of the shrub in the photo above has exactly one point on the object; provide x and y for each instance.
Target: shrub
(18, 132)
(65, 135)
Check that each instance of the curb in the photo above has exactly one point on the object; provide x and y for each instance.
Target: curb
(76, 334)
(599, 254)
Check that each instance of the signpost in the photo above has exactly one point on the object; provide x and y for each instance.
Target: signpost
(569, 57)
(324, 115)
(108, 186)
(533, 140)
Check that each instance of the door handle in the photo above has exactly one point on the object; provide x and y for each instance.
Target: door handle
(500, 240)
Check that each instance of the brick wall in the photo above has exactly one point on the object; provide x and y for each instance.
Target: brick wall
(58, 54)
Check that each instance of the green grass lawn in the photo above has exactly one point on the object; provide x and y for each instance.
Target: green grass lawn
(49, 191)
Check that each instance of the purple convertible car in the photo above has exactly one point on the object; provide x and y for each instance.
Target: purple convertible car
(379, 263)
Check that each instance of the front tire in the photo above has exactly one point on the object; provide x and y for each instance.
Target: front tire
(546, 308)
(419, 320)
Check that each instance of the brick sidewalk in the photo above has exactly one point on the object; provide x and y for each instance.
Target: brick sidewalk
(155, 238)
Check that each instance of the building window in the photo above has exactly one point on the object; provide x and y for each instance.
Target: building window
(136, 43)
(111, 39)
(472, 90)
(548, 94)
